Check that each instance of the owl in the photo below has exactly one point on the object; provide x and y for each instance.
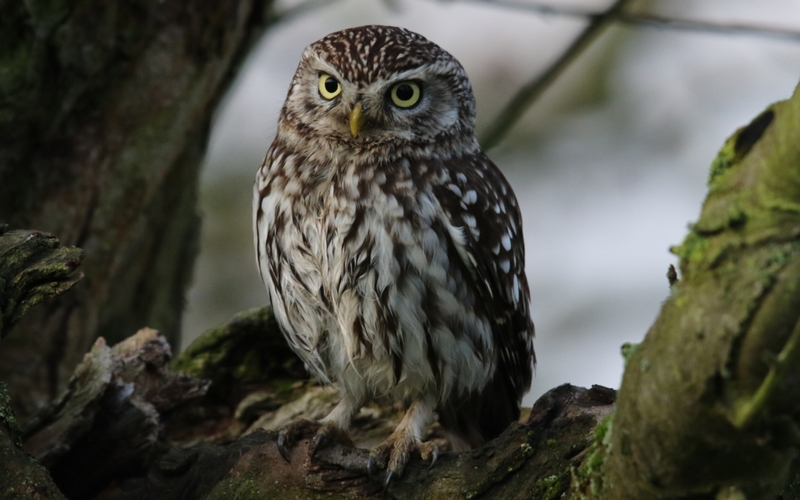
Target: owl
(391, 246)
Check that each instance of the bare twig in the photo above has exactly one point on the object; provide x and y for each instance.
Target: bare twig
(653, 20)
(526, 96)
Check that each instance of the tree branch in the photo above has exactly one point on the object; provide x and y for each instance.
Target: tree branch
(651, 20)
(531, 91)
(33, 267)
(530, 460)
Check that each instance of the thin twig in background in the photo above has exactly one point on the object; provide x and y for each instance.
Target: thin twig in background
(655, 21)
(531, 91)
(652, 20)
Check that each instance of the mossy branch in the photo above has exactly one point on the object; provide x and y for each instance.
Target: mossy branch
(749, 409)
(709, 401)
(33, 267)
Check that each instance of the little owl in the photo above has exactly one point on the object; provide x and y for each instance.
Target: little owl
(391, 246)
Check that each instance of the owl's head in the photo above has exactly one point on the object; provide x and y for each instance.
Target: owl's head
(376, 85)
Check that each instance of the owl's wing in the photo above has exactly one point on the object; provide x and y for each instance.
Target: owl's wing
(480, 202)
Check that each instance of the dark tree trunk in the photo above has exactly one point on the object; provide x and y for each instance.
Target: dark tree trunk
(104, 117)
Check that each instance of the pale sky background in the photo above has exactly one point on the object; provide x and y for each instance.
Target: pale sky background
(609, 167)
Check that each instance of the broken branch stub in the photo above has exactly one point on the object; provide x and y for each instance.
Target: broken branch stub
(108, 422)
(33, 267)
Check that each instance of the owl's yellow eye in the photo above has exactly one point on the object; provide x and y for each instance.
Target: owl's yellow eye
(329, 87)
(405, 94)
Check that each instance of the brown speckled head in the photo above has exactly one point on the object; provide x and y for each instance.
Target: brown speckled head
(368, 62)
(369, 53)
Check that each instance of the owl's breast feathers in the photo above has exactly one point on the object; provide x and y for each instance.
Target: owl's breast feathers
(405, 278)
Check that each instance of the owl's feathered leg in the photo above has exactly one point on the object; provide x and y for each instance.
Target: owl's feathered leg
(395, 451)
(333, 427)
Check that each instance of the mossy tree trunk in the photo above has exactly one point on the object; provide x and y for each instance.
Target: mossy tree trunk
(710, 402)
(104, 118)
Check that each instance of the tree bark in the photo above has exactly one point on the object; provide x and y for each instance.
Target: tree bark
(104, 117)
(33, 266)
(710, 402)
(530, 460)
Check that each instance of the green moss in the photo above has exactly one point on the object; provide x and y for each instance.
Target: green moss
(736, 216)
(725, 159)
(241, 489)
(783, 205)
(590, 472)
(250, 367)
(551, 487)
(527, 450)
(212, 354)
(628, 349)
(694, 248)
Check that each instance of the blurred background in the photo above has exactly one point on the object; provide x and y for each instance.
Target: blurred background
(609, 166)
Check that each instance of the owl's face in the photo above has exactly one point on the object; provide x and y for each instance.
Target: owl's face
(375, 85)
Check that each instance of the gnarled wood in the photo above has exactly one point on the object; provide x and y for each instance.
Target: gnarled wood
(104, 118)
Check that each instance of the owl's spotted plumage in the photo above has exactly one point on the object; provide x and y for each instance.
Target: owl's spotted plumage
(390, 245)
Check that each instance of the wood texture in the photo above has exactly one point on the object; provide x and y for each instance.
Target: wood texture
(104, 117)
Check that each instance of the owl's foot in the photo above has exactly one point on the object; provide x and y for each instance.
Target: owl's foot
(394, 453)
(322, 433)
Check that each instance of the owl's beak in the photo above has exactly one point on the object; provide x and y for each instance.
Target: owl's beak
(356, 120)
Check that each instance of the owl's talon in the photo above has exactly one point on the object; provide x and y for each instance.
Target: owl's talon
(282, 447)
(388, 480)
(395, 452)
(434, 456)
(320, 434)
(318, 440)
